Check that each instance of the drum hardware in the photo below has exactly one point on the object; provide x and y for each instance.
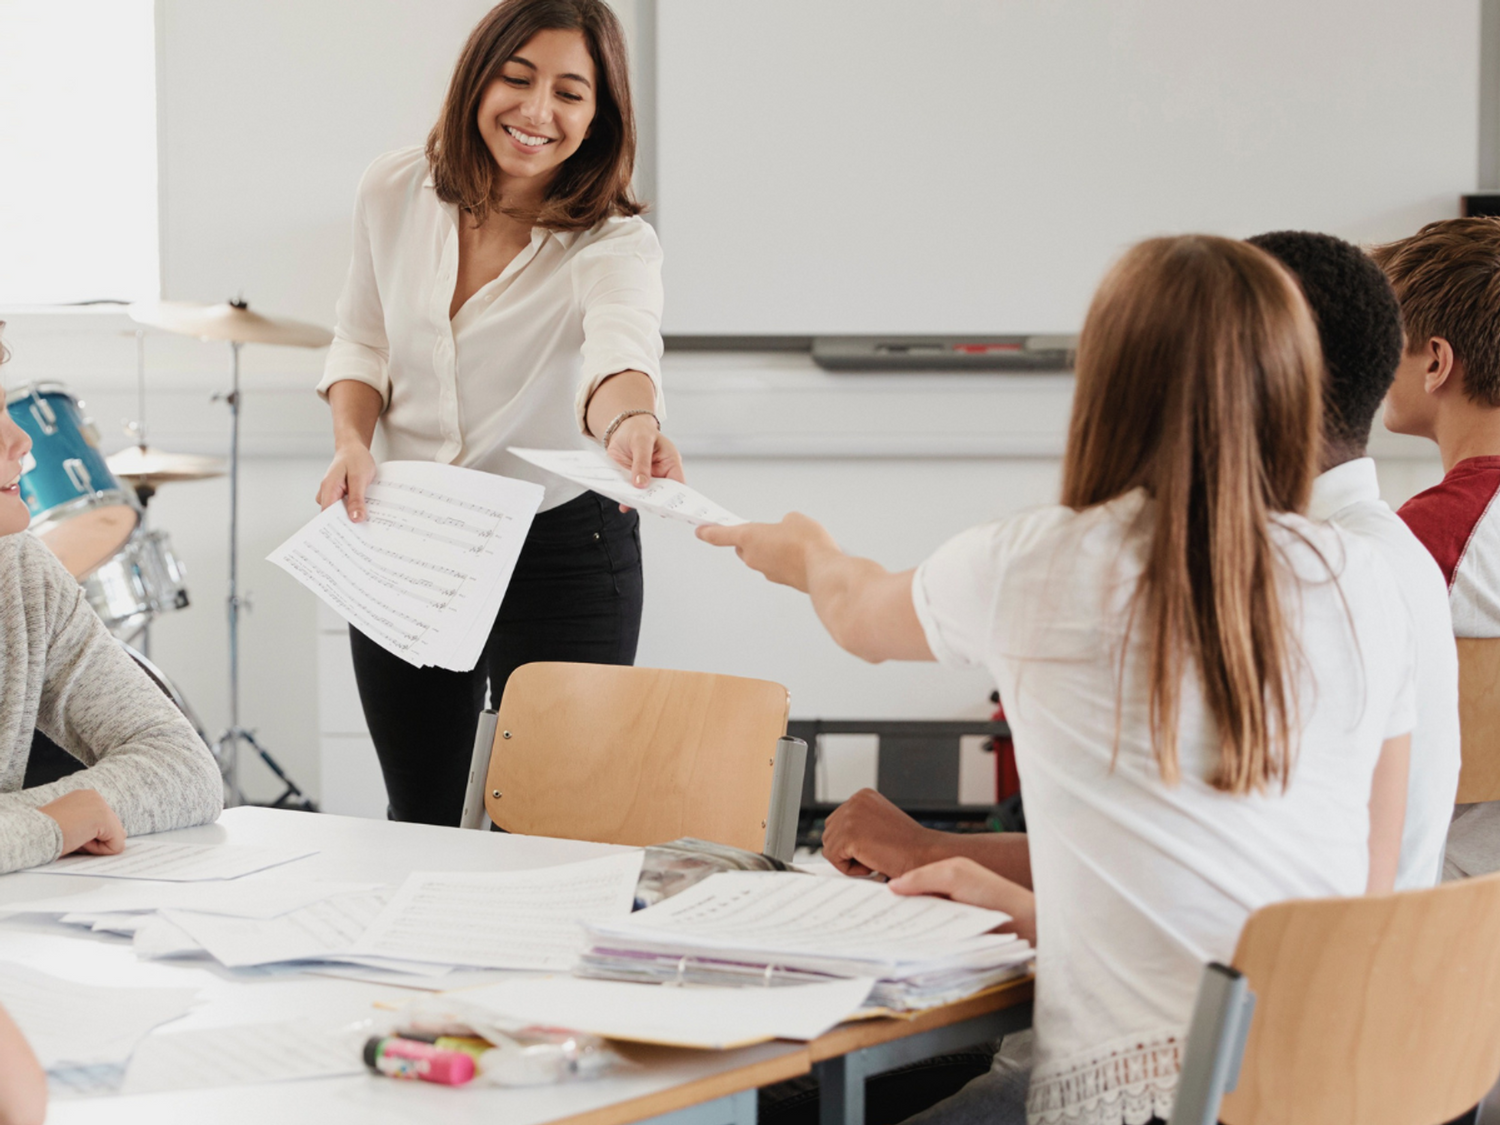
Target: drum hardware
(235, 324)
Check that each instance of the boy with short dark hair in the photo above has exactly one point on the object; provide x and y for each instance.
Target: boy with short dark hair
(1447, 389)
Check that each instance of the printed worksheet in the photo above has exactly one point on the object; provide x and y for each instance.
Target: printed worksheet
(662, 497)
(713, 1018)
(70, 1024)
(176, 863)
(311, 932)
(503, 919)
(424, 574)
(240, 1055)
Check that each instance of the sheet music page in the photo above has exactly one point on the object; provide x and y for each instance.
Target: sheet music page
(593, 469)
(790, 913)
(715, 1018)
(503, 919)
(424, 575)
(321, 929)
(257, 896)
(175, 863)
(72, 1024)
(240, 1055)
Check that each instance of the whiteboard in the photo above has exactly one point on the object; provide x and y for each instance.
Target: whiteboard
(973, 166)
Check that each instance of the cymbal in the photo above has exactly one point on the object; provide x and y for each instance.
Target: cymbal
(146, 465)
(230, 320)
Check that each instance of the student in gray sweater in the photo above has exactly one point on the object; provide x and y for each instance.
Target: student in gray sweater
(63, 674)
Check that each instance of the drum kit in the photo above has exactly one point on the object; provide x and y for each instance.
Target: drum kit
(91, 510)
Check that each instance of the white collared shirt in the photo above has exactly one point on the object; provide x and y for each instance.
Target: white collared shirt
(1139, 883)
(1349, 495)
(517, 364)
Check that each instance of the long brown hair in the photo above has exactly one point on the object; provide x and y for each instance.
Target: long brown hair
(593, 183)
(1199, 380)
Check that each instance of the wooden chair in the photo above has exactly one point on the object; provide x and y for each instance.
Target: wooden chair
(1381, 1010)
(1479, 719)
(644, 755)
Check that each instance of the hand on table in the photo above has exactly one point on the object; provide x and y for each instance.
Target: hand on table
(780, 551)
(963, 880)
(350, 473)
(87, 822)
(867, 833)
(644, 452)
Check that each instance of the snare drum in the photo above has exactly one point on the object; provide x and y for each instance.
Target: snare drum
(78, 506)
(141, 582)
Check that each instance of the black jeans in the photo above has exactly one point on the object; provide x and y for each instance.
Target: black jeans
(575, 596)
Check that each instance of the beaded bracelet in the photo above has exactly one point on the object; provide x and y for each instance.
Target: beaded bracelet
(620, 417)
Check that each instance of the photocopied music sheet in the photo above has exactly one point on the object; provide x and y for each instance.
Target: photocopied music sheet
(713, 1018)
(594, 470)
(175, 863)
(771, 912)
(424, 574)
(72, 1024)
(240, 1055)
(503, 919)
(311, 932)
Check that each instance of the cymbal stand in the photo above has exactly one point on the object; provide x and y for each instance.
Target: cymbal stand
(227, 749)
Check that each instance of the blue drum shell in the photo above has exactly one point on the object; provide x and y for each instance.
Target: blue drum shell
(49, 485)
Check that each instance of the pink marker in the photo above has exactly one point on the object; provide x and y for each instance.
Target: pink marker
(408, 1058)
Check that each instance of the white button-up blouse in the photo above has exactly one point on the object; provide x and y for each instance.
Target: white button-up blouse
(517, 364)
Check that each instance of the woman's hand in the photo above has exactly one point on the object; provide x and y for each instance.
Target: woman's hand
(644, 452)
(351, 472)
(780, 551)
(87, 823)
(963, 880)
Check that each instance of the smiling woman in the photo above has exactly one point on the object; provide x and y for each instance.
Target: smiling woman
(504, 291)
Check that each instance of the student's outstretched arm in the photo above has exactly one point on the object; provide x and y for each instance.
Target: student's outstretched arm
(865, 608)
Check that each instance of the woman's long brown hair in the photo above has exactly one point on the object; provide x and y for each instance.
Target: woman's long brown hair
(1199, 379)
(593, 183)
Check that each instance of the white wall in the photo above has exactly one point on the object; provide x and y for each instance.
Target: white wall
(268, 113)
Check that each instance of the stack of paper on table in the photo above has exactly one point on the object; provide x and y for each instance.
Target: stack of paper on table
(758, 927)
(594, 470)
(424, 574)
(434, 922)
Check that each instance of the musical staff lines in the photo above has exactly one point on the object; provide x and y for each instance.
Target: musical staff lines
(424, 575)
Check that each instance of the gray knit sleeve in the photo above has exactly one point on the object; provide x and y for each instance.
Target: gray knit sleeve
(143, 756)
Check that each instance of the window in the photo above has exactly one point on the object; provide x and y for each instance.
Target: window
(77, 151)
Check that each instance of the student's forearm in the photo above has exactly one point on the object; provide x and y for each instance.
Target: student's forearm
(866, 609)
(356, 409)
(1004, 853)
(23, 1086)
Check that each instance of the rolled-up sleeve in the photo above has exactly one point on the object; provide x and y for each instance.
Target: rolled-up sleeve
(360, 350)
(617, 283)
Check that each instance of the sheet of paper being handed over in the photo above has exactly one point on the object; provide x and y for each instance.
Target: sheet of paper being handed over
(662, 497)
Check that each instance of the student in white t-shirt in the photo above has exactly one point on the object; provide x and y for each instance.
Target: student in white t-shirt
(1210, 695)
(1359, 328)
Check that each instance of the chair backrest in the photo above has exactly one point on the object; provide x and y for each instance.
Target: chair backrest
(635, 756)
(1380, 1010)
(1479, 719)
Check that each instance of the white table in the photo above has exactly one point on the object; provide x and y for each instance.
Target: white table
(718, 1088)
(665, 1086)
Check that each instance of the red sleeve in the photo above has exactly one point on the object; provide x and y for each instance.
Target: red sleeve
(1444, 517)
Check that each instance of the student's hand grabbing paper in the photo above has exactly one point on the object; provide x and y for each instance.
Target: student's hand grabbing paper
(867, 833)
(963, 880)
(87, 822)
(783, 551)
